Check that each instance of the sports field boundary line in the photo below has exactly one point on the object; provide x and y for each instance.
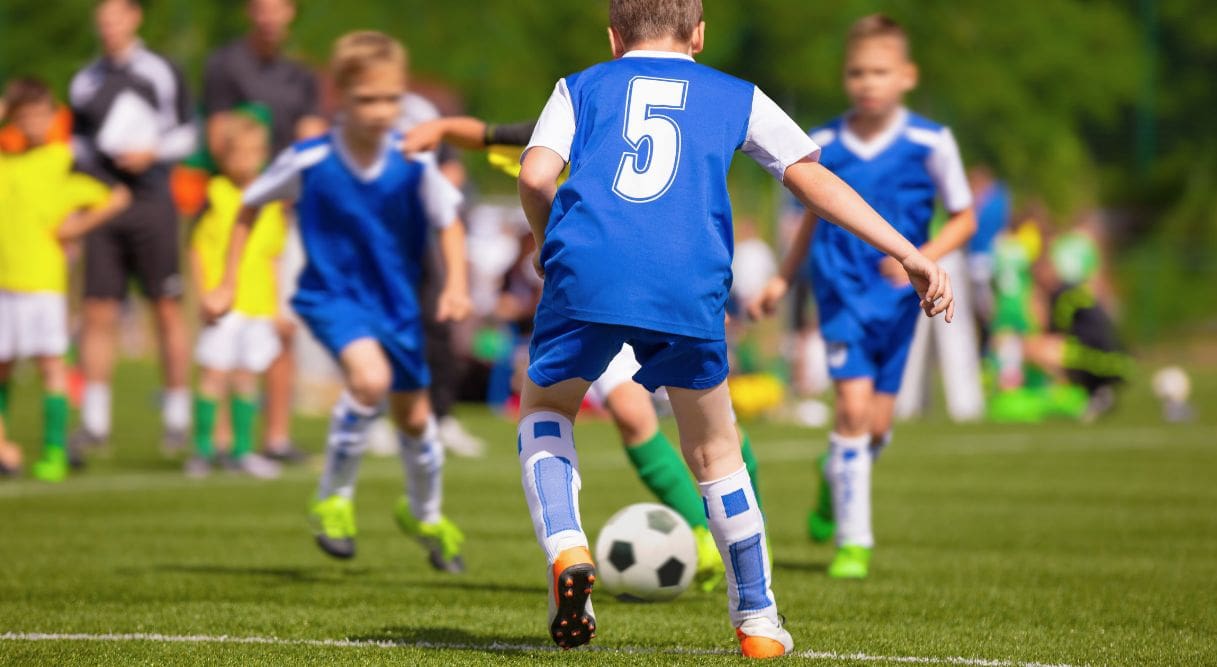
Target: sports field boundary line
(821, 656)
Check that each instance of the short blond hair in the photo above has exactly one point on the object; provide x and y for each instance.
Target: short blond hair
(640, 20)
(356, 52)
(873, 26)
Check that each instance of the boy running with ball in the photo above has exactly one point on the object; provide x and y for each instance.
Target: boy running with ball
(365, 213)
(636, 248)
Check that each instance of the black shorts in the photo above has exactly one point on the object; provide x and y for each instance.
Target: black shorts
(142, 242)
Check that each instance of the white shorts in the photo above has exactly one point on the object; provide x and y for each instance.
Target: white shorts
(238, 343)
(33, 324)
(619, 371)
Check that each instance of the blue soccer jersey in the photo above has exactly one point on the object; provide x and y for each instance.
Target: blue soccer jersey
(364, 232)
(640, 234)
(899, 173)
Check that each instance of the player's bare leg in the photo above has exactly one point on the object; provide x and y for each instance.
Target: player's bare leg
(98, 347)
(422, 454)
(550, 474)
(711, 447)
(174, 340)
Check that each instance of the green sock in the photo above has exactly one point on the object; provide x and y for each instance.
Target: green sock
(663, 472)
(4, 400)
(750, 464)
(55, 421)
(204, 426)
(243, 412)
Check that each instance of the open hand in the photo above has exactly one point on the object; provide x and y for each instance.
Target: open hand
(766, 304)
(932, 284)
(453, 306)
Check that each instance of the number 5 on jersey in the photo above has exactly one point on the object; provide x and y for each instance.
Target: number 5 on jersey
(646, 172)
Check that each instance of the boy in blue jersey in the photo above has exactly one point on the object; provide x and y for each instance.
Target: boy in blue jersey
(364, 212)
(636, 248)
(898, 161)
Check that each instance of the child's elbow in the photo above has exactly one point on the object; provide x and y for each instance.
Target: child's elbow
(532, 181)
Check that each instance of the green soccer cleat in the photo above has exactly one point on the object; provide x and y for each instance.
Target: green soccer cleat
(442, 539)
(820, 522)
(52, 467)
(710, 570)
(333, 521)
(850, 563)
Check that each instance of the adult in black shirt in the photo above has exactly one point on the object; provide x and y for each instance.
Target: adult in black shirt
(253, 70)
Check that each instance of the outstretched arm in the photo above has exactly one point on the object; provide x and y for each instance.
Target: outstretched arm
(828, 197)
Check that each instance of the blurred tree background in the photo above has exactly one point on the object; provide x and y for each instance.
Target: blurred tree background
(1080, 103)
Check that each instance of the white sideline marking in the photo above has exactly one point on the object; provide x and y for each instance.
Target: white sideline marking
(492, 646)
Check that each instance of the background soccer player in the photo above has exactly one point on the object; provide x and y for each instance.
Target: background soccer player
(898, 161)
(238, 348)
(364, 211)
(46, 205)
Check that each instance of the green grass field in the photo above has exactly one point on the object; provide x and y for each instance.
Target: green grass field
(1052, 544)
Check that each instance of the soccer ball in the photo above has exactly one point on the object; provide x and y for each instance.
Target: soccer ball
(646, 553)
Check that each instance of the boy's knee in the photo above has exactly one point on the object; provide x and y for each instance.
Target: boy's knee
(370, 386)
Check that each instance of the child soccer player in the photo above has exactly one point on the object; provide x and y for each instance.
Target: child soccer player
(364, 212)
(656, 461)
(46, 205)
(897, 161)
(239, 347)
(636, 248)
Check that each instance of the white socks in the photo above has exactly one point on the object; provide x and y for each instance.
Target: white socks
(175, 409)
(95, 410)
(344, 446)
(849, 472)
(549, 468)
(422, 459)
(739, 531)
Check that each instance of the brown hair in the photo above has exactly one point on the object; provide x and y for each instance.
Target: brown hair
(876, 25)
(24, 90)
(356, 52)
(639, 20)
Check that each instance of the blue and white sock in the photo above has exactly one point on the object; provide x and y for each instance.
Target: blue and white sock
(739, 531)
(879, 443)
(422, 459)
(549, 468)
(849, 470)
(344, 446)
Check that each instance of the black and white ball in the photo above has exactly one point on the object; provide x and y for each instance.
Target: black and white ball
(646, 553)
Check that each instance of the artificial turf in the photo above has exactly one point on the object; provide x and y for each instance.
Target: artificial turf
(1055, 543)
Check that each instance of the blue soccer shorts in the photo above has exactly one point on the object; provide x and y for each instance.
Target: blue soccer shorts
(336, 323)
(880, 354)
(563, 349)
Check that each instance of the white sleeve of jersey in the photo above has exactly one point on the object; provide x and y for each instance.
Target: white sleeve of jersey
(441, 199)
(556, 127)
(280, 182)
(774, 140)
(946, 168)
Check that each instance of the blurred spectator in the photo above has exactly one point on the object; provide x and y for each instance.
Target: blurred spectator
(132, 120)
(992, 218)
(253, 71)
